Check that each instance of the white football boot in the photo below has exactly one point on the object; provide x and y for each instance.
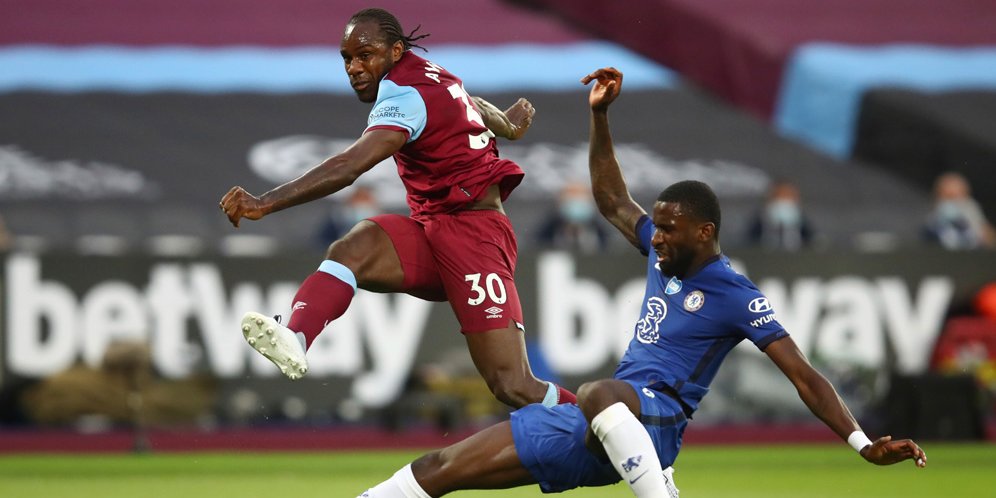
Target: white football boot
(672, 489)
(277, 343)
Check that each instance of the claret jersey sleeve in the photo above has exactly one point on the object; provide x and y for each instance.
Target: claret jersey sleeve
(399, 108)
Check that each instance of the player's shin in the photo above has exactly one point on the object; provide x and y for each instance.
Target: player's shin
(631, 451)
(401, 485)
(323, 297)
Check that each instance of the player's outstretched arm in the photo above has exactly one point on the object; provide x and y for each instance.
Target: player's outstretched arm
(512, 123)
(332, 175)
(607, 183)
(823, 400)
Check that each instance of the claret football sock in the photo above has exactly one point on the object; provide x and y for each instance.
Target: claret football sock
(565, 397)
(556, 395)
(631, 451)
(323, 297)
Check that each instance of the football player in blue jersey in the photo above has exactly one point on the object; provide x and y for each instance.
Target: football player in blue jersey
(696, 309)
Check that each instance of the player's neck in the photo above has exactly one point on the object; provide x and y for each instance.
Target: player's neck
(701, 262)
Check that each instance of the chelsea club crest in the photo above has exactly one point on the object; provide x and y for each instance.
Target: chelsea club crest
(694, 300)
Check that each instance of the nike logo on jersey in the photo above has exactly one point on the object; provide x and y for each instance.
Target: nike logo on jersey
(299, 305)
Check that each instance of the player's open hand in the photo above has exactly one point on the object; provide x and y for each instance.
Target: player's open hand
(238, 204)
(608, 84)
(520, 116)
(885, 451)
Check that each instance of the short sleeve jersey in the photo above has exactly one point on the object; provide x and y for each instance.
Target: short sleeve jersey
(687, 327)
(450, 158)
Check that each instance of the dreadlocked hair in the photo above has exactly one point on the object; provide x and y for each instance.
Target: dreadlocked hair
(390, 26)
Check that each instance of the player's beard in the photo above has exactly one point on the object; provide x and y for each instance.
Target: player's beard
(365, 95)
(676, 264)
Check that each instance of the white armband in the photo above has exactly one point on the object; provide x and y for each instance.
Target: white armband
(858, 440)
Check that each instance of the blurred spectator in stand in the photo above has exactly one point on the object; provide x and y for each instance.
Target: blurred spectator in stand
(6, 240)
(574, 226)
(780, 224)
(447, 391)
(122, 390)
(985, 301)
(360, 205)
(956, 221)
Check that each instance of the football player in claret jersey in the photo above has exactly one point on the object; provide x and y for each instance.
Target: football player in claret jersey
(456, 245)
(696, 308)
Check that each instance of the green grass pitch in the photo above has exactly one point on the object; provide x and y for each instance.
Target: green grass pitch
(812, 471)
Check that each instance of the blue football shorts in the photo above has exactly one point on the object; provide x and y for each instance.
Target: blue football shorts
(550, 441)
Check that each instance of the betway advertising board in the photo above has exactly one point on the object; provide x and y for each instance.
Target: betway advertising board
(880, 313)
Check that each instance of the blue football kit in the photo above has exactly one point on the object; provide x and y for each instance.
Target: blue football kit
(686, 329)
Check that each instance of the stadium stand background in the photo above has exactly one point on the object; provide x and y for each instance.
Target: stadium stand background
(126, 121)
(239, 87)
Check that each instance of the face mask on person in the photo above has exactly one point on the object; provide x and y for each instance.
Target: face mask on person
(361, 212)
(577, 210)
(784, 212)
(950, 211)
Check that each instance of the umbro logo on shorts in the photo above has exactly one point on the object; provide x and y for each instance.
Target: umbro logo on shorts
(494, 312)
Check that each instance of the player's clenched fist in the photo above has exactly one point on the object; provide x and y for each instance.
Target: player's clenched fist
(520, 115)
(238, 204)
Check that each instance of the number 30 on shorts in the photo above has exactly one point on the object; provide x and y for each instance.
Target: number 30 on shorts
(493, 288)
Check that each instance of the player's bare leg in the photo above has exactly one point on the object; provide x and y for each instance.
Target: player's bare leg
(364, 258)
(500, 357)
(486, 460)
(368, 252)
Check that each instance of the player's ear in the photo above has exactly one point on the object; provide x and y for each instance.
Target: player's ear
(397, 50)
(707, 231)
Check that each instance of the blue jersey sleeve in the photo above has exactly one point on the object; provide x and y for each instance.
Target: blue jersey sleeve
(753, 315)
(645, 232)
(398, 107)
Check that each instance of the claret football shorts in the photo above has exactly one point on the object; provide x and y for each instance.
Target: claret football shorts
(467, 258)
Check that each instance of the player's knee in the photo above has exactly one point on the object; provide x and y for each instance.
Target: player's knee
(593, 397)
(355, 248)
(591, 391)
